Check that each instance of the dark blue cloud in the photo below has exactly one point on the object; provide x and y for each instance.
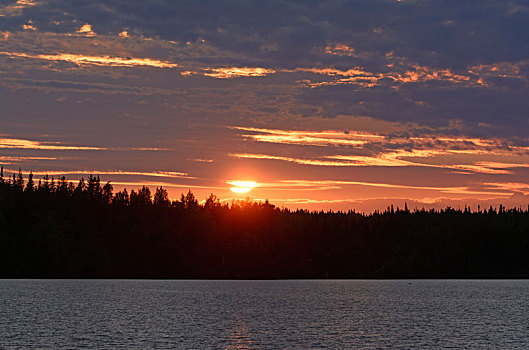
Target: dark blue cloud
(451, 33)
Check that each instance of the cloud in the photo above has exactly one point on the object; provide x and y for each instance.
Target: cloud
(336, 184)
(300, 161)
(9, 143)
(18, 159)
(86, 30)
(396, 159)
(489, 167)
(165, 184)
(15, 9)
(340, 50)
(456, 153)
(106, 61)
(166, 174)
(29, 26)
(237, 72)
(513, 187)
(416, 74)
(314, 138)
(70, 86)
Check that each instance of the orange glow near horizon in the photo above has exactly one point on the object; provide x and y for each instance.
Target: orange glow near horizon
(242, 186)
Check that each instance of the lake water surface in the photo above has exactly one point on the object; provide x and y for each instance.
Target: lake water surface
(343, 314)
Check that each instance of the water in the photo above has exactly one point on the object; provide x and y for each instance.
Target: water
(118, 314)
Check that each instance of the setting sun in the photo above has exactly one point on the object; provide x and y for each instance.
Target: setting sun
(242, 186)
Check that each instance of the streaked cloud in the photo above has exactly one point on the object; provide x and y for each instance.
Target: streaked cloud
(301, 161)
(16, 8)
(490, 167)
(141, 149)
(95, 172)
(398, 159)
(314, 138)
(363, 78)
(458, 154)
(385, 159)
(8, 143)
(105, 61)
(237, 72)
(517, 187)
(17, 159)
(151, 184)
(168, 174)
(333, 184)
(501, 70)
(82, 87)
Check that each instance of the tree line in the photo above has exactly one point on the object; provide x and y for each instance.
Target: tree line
(55, 228)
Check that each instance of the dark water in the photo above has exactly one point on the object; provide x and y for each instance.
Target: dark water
(99, 314)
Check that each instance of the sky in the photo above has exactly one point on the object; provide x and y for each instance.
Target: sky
(323, 104)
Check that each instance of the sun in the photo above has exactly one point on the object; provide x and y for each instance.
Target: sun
(241, 186)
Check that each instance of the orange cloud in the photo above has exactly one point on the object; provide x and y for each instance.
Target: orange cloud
(391, 159)
(301, 161)
(37, 145)
(142, 149)
(359, 76)
(236, 72)
(353, 72)
(86, 30)
(501, 69)
(332, 184)
(105, 61)
(29, 26)
(340, 50)
(166, 174)
(9, 159)
(385, 160)
(16, 8)
(457, 153)
(166, 184)
(510, 186)
(422, 73)
(382, 160)
(314, 138)
(491, 167)
(454, 144)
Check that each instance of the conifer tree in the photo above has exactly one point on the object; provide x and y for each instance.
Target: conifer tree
(161, 197)
(30, 186)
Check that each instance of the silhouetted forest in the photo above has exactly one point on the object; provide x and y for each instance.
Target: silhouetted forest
(58, 229)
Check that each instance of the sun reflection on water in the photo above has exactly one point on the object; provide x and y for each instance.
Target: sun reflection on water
(239, 337)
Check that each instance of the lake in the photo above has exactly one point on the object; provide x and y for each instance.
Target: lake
(293, 314)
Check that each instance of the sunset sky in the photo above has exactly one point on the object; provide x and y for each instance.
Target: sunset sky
(323, 104)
